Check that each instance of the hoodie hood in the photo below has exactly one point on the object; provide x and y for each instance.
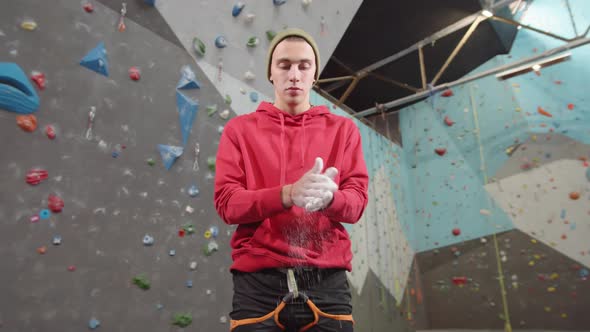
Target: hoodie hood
(284, 119)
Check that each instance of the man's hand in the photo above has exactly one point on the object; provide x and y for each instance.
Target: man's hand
(323, 199)
(313, 186)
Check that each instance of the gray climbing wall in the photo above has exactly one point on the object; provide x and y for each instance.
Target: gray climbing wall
(110, 203)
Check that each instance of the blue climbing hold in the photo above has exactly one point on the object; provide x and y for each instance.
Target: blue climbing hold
(193, 191)
(214, 231)
(96, 60)
(237, 9)
(44, 214)
(169, 154)
(279, 2)
(220, 42)
(187, 110)
(188, 79)
(16, 92)
(150, 2)
(94, 323)
(254, 96)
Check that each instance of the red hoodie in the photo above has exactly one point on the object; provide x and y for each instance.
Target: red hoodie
(261, 152)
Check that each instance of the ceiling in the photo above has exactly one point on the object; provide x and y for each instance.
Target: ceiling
(382, 28)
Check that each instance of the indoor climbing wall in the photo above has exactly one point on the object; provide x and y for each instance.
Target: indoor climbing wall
(501, 185)
(111, 116)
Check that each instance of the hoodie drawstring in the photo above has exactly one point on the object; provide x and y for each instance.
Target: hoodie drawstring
(303, 141)
(282, 161)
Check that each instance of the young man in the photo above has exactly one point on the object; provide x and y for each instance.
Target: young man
(290, 245)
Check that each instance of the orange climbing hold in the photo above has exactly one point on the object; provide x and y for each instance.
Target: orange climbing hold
(543, 112)
(27, 122)
(570, 106)
(574, 195)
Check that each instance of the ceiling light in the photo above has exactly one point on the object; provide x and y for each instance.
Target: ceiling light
(536, 67)
(487, 13)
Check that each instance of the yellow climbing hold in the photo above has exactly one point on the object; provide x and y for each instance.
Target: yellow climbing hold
(564, 315)
(207, 234)
(547, 309)
(554, 276)
(537, 257)
(29, 25)
(534, 138)
(534, 241)
(532, 263)
(551, 289)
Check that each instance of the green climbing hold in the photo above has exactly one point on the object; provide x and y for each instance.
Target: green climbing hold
(182, 320)
(141, 282)
(252, 41)
(189, 229)
(270, 35)
(228, 99)
(211, 109)
(211, 163)
(151, 162)
(199, 46)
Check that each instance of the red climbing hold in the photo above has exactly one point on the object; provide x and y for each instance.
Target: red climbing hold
(543, 112)
(50, 132)
(71, 268)
(55, 203)
(440, 151)
(447, 93)
(134, 73)
(459, 281)
(570, 106)
(88, 7)
(36, 175)
(39, 79)
(456, 231)
(181, 233)
(448, 121)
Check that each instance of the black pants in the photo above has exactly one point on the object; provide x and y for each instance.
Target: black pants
(256, 294)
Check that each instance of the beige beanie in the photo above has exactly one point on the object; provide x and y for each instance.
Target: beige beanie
(288, 33)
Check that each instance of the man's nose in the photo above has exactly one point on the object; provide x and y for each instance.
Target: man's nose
(294, 73)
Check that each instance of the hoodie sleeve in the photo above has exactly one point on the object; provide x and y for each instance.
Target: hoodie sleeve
(233, 202)
(351, 198)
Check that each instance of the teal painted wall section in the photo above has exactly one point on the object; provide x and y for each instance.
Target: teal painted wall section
(489, 117)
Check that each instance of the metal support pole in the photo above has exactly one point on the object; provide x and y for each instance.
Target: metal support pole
(422, 68)
(348, 91)
(512, 22)
(458, 48)
(394, 82)
(334, 79)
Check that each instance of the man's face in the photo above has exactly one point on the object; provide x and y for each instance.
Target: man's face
(292, 72)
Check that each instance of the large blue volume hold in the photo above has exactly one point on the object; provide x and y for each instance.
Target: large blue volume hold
(16, 92)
